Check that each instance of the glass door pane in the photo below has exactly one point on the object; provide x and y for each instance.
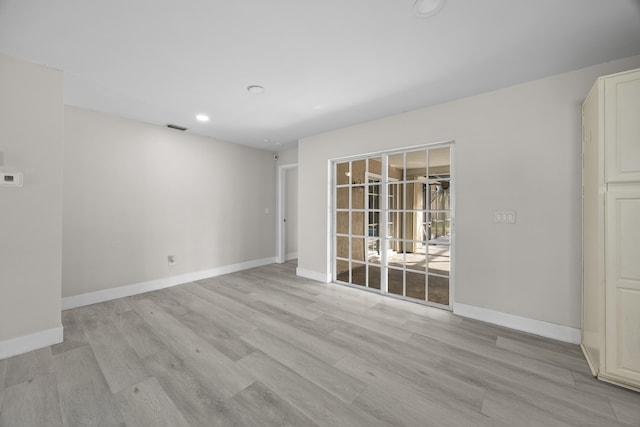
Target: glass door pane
(373, 207)
(395, 281)
(438, 289)
(358, 201)
(416, 285)
(438, 225)
(393, 223)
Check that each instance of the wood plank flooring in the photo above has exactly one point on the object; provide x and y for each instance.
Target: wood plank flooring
(263, 347)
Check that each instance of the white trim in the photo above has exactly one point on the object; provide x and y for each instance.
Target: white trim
(587, 356)
(281, 205)
(292, 255)
(524, 324)
(26, 343)
(332, 219)
(436, 144)
(153, 285)
(313, 275)
(453, 256)
(384, 235)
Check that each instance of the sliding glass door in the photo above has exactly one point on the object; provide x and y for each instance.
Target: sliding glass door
(393, 223)
(357, 217)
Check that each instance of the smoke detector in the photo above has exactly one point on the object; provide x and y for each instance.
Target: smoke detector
(255, 89)
(427, 8)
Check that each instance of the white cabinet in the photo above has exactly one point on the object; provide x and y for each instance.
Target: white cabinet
(611, 229)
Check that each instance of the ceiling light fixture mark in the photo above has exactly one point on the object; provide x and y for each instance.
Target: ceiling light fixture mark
(255, 89)
(202, 118)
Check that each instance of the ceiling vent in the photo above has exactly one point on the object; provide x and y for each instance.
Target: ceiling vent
(176, 127)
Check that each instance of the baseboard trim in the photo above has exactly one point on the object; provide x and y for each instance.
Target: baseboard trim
(587, 355)
(313, 275)
(524, 324)
(153, 285)
(619, 381)
(26, 343)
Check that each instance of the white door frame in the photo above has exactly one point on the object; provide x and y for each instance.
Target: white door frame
(384, 223)
(281, 196)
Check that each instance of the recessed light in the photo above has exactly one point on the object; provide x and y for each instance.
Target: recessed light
(202, 118)
(427, 8)
(255, 89)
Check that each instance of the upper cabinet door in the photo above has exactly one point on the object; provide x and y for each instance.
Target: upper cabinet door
(622, 127)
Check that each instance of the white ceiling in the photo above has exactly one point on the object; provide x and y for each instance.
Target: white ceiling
(325, 64)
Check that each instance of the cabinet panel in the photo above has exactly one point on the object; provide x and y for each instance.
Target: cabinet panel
(623, 283)
(593, 231)
(611, 229)
(623, 237)
(628, 336)
(622, 127)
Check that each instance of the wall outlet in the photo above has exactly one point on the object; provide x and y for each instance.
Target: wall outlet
(171, 260)
(504, 217)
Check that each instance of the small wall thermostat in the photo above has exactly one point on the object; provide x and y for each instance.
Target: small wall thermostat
(11, 179)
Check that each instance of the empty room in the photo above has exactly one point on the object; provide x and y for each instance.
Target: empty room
(336, 213)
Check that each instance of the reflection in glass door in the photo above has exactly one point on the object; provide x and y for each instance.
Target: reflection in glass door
(392, 223)
(357, 222)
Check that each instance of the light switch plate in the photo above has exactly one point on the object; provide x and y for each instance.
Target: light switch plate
(11, 179)
(510, 217)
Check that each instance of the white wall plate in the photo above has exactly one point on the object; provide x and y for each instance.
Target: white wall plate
(11, 179)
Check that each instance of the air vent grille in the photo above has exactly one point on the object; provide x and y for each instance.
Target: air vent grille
(176, 127)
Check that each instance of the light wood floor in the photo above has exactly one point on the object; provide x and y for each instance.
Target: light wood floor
(266, 348)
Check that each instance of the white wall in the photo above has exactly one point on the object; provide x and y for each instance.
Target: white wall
(31, 136)
(519, 149)
(136, 193)
(287, 157)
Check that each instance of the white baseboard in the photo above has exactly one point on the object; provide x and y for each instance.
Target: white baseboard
(26, 343)
(313, 275)
(154, 285)
(592, 366)
(524, 324)
(292, 255)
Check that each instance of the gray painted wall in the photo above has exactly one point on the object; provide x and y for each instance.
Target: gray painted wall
(31, 134)
(519, 149)
(136, 193)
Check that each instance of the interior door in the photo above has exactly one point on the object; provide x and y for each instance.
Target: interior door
(393, 223)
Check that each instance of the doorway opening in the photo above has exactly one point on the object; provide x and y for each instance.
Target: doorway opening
(287, 195)
(393, 223)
